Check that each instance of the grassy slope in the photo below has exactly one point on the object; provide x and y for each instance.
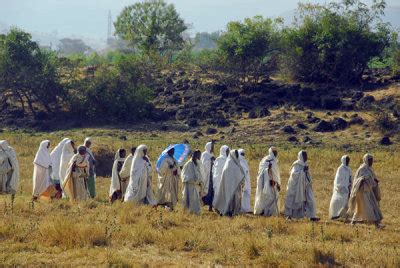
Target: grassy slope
(96, 233)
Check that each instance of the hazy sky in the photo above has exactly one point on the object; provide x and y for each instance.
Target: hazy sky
(89, 17)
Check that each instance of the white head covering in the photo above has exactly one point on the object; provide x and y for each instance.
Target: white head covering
(56, 158)
(271, 158)
(208, 147)
(115, 183)
(300, 159)
(222, 151)
(42, 157)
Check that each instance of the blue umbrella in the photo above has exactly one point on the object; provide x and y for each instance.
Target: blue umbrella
(181, 152)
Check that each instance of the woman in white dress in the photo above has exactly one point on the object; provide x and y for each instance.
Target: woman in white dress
(42, 184)
(341, 190)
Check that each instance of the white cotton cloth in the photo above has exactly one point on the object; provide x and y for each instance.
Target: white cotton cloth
(66, 156)
(115, 177)
(12, 184)
(300, 201)
(55, 156)
(192, 181)
(230, 189)
(42, 157)
(267, 196)
(341, 191)
(218, 167)
(140, 184)
(41, 170)
(246, 195)
(206, 166)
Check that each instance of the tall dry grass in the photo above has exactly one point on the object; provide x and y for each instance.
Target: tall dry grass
(94, 233)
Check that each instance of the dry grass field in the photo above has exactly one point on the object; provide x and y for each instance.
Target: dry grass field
(95, 233)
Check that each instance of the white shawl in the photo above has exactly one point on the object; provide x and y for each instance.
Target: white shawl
(206, 166)
(66, 156)
(42, 157)
(218, 167)
(115, 178)
(232, 177)
(56, 159)
(13, 184)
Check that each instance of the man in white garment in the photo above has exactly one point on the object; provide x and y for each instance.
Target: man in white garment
(207, 162)
(68, 152)
(230, 190)
(300, 201)
(218, 167)
(42, 184)
(168, 181)
(117, 186)
(268, 185)
(192, 184)
(55, 168)
(246, 195)
(341, 190)
(139, 188)
(9, 169)
(91, 183)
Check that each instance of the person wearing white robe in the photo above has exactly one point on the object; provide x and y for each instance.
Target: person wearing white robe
(365, 195)
(126, 167)
(192, 184)
(117, 186)
(207, 162)
(56, 160)
(55, 168)
(218, 167)
(268, 185)
(229, 195)
(42, 184)
(246, 194)
(139, 188)
(300, 201)
(168, 181)
(68, 152)
(341, 190)
(9, 169)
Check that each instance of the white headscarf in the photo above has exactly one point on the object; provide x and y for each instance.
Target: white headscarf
(222, 151)
(42, 157)
(300, 159)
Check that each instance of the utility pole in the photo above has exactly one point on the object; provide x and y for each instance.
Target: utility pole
(109, 28)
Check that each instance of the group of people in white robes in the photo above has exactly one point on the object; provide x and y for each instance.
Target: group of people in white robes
(63, 172)
(223, 183)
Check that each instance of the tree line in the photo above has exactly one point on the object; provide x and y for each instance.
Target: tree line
(331, 43)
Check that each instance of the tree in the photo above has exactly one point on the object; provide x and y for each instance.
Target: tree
(249, 47)
(151, 26)
(334, 43)
(69, 46)
(27, 72)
